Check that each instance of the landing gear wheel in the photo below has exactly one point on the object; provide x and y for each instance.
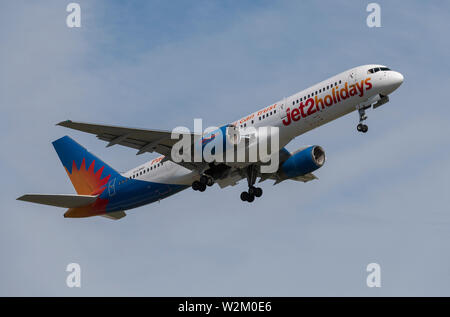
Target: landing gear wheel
(362, 128)
(258, 192)
(210, 182)
(251, 190)
(244, 196)
(202, 187)
(204, 179)
(196, 185)
(251, 198)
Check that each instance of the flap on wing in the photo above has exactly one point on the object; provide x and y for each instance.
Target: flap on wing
(65, 201)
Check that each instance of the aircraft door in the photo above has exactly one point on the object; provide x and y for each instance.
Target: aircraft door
(353, 77)
(112, 187)
(283, 109)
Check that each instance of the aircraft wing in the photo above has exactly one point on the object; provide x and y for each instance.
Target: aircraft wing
(143, 140)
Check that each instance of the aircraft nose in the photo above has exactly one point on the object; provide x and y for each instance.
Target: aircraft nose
(396, 79)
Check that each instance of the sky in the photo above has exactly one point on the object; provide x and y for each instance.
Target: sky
(382, 197)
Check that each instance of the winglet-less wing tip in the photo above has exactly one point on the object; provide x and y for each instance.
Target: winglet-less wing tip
(64, 123)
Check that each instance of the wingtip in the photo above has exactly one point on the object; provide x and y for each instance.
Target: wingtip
(23, 197)
(64, 123)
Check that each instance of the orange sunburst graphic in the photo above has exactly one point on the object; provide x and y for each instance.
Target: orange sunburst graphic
(85, 181)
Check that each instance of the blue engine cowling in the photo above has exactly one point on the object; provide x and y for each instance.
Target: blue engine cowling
(303, 162)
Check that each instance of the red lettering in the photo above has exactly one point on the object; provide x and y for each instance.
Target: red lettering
(344, 92)
(360, 88)
(287, 120)
(302, 106)
(319, 101)
(368, 84)
(295, 115)
(328, 100)
(311, 109)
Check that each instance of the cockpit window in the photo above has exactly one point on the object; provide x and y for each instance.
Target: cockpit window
(376, 69)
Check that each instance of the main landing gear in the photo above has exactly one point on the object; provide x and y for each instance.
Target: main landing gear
(202, 183)
(362, 128)
(362, 116)
(252, 190)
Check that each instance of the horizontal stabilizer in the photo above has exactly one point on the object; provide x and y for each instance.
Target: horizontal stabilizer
(65, 201)
(114, 215)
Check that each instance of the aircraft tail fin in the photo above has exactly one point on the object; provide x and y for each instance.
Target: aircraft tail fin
(88, 174)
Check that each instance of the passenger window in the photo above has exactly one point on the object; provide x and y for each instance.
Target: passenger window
(339, 81)
(273, 112)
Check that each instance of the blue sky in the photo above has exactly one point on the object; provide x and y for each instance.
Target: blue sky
(381, 197)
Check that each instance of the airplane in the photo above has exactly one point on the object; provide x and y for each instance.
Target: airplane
(102, 191)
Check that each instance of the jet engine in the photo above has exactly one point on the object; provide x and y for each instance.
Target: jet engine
(303, 161)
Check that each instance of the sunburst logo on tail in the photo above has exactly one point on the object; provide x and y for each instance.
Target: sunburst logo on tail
(85, 180)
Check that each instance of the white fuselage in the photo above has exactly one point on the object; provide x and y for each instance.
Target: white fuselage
(293, 115)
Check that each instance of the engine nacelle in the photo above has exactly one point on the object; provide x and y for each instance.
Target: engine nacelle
(303, 162)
